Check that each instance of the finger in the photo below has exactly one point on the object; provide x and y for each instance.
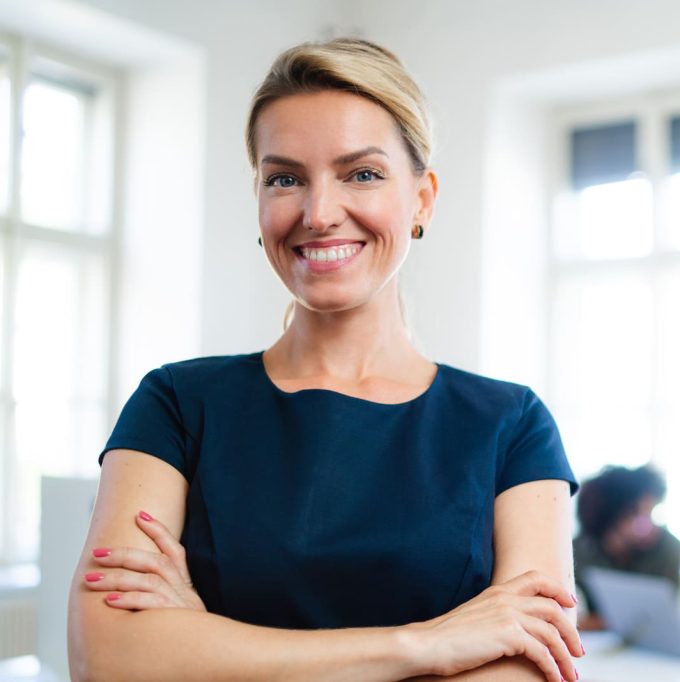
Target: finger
(166, 542)
(121, 580)
(137, 601)
(534, 583)
(551, 638)
(537, 652)
(550, 612)
(141, 561)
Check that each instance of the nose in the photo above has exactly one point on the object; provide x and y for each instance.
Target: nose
(323, 208)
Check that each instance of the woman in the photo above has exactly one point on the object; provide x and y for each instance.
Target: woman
(348, 509)
(617, 531)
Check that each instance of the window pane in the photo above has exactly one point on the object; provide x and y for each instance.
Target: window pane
(667, 444)
(60, 374)
(668, 341)
(4, 131)
(675, 144)
(671, 220)
(53, 156)
(607, 222)
(602, 352)
(604, 153)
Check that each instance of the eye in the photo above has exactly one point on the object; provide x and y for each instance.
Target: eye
(366, 175)
(280, 180)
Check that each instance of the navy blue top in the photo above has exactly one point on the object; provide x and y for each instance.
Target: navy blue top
(316, 509)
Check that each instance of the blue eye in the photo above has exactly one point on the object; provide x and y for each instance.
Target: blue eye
(284, 181)
(366, 175)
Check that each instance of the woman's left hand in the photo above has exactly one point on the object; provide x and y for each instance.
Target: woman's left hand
(136, 579)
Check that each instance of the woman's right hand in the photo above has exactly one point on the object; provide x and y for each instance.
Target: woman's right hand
(523, 616)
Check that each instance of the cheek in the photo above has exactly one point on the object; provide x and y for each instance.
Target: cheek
(273, 215)
(387, 214)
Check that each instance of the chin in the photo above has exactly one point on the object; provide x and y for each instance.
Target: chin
(328, 304)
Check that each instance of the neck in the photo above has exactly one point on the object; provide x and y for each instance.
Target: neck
(351, 345)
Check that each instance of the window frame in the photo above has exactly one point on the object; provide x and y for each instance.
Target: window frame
(652, 112)
(23, 53)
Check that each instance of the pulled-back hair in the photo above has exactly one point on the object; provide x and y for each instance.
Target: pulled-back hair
(613, 494)
(357, 66)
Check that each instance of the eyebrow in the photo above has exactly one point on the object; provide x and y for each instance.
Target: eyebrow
(338, 161)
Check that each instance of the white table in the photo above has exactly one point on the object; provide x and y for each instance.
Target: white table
(608, 660)
(25, 669)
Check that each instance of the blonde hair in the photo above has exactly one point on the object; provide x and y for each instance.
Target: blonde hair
(353, 65)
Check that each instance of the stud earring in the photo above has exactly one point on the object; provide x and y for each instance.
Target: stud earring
(417, 232)
(259, 241)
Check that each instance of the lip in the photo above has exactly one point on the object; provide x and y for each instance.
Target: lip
(327, 242)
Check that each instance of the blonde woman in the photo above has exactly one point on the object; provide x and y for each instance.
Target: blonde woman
(337, 507)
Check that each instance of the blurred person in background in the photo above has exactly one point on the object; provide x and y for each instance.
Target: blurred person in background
(617, 531)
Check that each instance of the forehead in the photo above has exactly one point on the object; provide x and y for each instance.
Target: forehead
(332, 121)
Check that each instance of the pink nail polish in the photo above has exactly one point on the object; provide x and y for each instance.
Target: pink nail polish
(573, 596)
(93, 577)
(101, 552)
(576, 673)
(583, 651)
(112, 597)
(145, 516)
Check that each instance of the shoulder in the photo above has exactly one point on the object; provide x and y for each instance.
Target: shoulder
(204, 372)
(518, 426)
(483, 395)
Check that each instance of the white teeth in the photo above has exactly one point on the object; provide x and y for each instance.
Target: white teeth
(332, 253)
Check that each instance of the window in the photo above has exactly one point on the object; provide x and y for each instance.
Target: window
(615, 289)
(56, 269)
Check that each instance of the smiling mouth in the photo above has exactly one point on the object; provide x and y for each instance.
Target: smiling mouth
(330, 254)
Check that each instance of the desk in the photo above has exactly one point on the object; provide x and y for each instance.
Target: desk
(25, 669)
(608, 660)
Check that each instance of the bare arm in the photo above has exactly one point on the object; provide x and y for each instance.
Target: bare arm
(182, 644)
(532, 531)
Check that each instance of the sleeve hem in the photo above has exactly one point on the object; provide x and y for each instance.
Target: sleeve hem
(140, 446)
(573, 485)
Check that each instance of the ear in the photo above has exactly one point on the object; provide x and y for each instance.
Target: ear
(427, 188)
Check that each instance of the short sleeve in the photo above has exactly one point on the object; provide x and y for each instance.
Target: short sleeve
(151, 422)
(534, 451)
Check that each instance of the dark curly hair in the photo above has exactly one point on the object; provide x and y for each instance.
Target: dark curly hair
(613, 494)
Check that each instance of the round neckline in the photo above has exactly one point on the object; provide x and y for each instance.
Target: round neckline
(292, 394)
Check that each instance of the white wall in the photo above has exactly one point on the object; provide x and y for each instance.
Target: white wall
(491, 70)
(242, 304)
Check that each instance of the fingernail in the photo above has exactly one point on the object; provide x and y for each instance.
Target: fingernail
(101, 552)
(583, 651)
(573, 596)
(145, 516)
(576, 673)
(93, 577)
(112, 597)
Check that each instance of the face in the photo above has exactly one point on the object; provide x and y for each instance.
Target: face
(337, 198)
(638, 528)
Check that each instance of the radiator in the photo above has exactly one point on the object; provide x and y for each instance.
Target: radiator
(18, 627)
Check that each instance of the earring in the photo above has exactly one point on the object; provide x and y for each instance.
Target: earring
(417, 232)
(259, 241)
